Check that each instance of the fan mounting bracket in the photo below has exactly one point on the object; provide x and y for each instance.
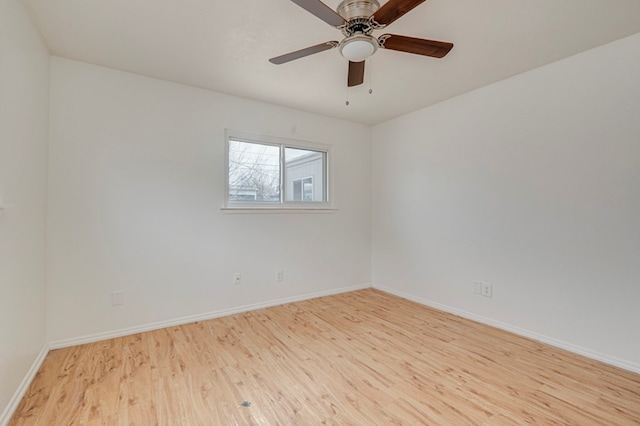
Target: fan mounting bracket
(382, 39)
(375, 25)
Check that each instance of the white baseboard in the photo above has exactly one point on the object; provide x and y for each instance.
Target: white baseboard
(200, 317)
(607, 359)
(24, 386)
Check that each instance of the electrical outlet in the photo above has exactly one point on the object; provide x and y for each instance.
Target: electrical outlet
(279, 275)
(117, 298)
(487, 290)
(237, 278)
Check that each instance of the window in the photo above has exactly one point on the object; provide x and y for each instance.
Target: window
(276, 173)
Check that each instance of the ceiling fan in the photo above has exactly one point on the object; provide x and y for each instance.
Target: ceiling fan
(357, 19)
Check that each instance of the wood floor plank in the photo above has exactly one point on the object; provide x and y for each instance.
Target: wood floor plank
(364, 357)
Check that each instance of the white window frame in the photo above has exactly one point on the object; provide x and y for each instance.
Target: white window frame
(233, 206)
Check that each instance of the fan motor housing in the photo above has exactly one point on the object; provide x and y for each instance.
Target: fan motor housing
(351, 9)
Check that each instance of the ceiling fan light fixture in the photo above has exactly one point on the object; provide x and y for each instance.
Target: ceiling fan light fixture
(358, 47)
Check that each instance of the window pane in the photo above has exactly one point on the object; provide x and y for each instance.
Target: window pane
(304, 175)
(254, 172)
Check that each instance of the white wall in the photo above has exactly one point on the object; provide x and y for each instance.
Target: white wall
(136, 185)
(24, 93)
(532, 185)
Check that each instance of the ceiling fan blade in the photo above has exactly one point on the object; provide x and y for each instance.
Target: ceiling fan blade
(287, 57)
(419, 46)
(356, 74)
(393, 9)
(322, 11)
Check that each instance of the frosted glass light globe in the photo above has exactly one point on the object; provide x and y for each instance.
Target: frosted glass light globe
(357, 48)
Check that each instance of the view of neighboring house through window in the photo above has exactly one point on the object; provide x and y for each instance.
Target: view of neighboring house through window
(270, 173)
(304, 174)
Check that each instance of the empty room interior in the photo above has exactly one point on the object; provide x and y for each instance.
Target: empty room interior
(319, 212)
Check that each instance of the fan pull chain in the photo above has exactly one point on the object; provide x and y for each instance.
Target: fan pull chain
(347, 101)
(370, 67)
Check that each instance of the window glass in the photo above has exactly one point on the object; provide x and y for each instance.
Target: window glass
(254, 172)
(304, 173)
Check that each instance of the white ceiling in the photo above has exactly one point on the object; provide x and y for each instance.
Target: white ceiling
(225, 46)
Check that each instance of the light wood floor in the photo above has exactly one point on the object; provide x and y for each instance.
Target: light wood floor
(361, 358)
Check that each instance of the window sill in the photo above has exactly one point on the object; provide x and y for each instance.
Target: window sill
(280, 210)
